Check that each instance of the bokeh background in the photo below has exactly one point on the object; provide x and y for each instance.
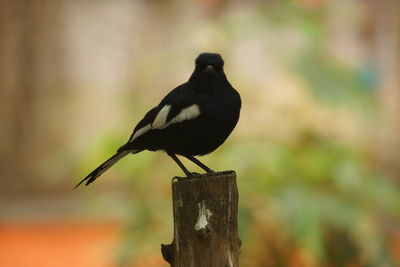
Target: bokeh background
(317, 148)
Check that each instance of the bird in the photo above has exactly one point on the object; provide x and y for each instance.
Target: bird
(192, 120)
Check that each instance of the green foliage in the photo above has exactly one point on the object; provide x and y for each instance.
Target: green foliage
(315, 187)
(333, 82)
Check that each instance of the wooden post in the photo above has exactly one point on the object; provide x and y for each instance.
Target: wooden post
(205, 222)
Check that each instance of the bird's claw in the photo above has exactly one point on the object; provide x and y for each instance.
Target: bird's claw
(211, 172)
(193, 175)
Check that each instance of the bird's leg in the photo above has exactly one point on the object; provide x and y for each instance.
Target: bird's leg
(198, 163)
(180, 164)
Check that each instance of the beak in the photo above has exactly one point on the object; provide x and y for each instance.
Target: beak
(209, 69)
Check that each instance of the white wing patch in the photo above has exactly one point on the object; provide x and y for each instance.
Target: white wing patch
(188, 113)
(140, 132)
(161, 118)
(160, 122)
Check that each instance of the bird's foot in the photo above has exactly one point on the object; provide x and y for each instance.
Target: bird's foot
(198, 175)
(193, 175)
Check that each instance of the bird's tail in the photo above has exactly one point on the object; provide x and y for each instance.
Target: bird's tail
(103, 167)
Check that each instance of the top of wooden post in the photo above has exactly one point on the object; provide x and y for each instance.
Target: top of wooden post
(216, 175)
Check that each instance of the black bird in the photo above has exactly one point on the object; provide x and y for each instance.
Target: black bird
(192, 120)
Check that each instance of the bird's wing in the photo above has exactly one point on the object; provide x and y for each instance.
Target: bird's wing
(179, 105)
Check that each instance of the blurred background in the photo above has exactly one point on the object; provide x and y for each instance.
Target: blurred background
(316, 150)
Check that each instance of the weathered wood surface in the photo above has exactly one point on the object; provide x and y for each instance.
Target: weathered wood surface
(205, 222)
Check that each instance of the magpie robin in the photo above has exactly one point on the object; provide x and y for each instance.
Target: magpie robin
(192, 120)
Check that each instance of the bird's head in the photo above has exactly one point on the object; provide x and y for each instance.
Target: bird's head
(209, 63)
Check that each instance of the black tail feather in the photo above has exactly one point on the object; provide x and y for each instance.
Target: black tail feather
(103, 167)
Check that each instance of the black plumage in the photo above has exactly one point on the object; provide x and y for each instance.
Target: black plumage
(192, 120)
